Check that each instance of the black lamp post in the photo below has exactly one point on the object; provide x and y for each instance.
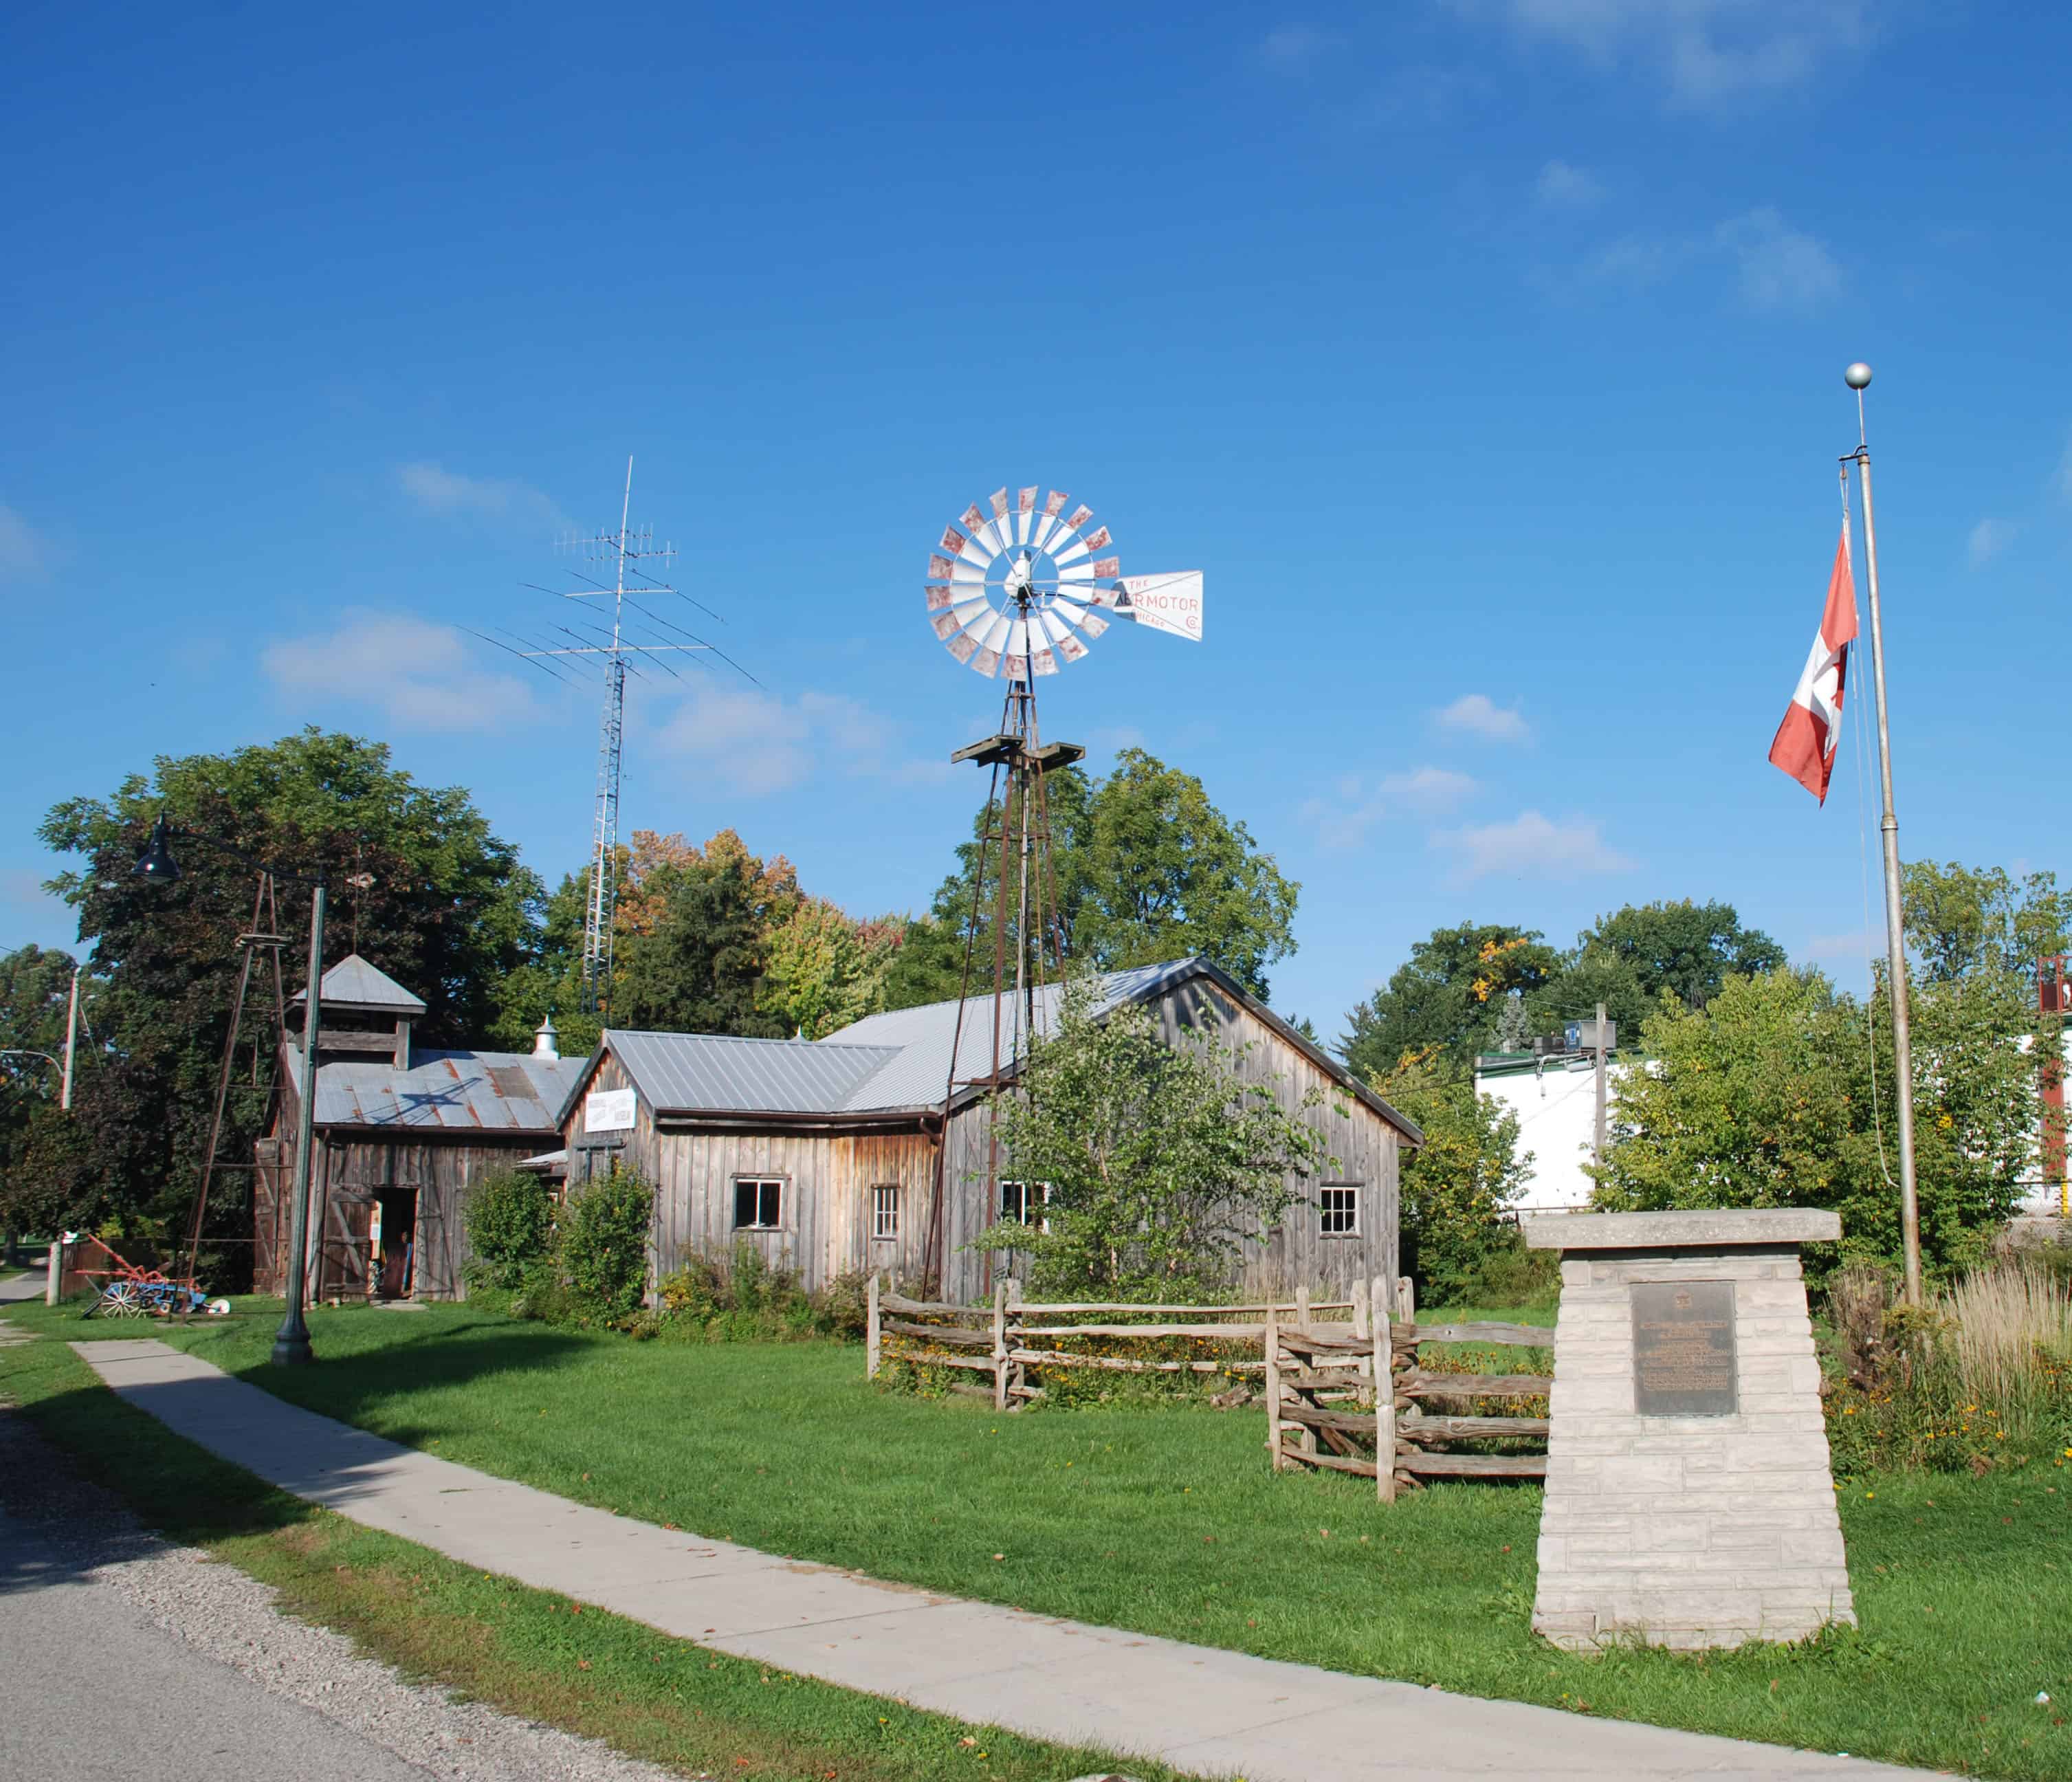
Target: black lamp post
(291, 1342)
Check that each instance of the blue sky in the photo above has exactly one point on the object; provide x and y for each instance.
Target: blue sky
(1485, 354)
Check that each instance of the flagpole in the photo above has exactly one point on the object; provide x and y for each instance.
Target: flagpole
(1857, 376)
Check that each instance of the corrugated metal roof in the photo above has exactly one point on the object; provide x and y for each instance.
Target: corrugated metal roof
(919, 1072)
(449, 1091)
(353, 980)
(897, 1060)
(711, 1072)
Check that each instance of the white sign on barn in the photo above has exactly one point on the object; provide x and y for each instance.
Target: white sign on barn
(609, 1110)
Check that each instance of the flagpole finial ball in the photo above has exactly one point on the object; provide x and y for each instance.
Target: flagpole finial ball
(1857, 376)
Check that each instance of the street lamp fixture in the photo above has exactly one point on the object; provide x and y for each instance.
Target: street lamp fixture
(291, 1342)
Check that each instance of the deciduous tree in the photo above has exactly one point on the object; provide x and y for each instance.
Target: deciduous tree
(1163, 1164)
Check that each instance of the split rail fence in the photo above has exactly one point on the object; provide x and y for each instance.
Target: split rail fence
(1323, 1410)
(1008, 1340)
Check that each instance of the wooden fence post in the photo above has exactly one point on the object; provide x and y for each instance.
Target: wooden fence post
(1273, 1391)
(1406, 1300)
(1385, 1404)
(874, 1340)
(1302, 1306)
(1018, 1372)
(1000, 1344)
(1362, 1311)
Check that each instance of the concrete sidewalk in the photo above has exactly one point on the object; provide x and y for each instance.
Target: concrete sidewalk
(1195, 1707)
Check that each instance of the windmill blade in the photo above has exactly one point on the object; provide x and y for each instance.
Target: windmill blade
(1025, 506)
(1171, 602)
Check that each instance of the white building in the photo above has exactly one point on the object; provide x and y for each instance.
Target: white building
(1554, 1098)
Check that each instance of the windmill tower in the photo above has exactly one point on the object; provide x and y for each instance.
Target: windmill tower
(1015, 591)
(616, 652)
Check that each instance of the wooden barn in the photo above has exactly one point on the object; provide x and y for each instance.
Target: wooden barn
(401, 1135)
(825, 1155)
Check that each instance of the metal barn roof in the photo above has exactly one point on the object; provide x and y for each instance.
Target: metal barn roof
(353, 982)
(486, 1091)
(895, 1062)
(711, 1073)
(919, 1073)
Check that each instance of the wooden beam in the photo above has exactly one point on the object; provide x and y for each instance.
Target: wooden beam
(1421, 1384)
(1473, 1465)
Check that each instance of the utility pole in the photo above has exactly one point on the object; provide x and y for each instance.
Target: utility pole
(71, 1037)
(1600, 1158)
(1857, 377)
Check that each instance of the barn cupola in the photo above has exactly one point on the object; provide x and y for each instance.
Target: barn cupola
(365, 1013)
(546, 1042)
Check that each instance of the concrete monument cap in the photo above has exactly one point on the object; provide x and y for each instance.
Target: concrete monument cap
(1677, 1231)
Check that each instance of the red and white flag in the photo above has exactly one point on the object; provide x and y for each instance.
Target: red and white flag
(1806, 740)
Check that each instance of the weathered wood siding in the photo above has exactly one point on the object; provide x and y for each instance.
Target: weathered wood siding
(824, 1227)
(824, 1206)
(1363, 1146)
(351, 1167)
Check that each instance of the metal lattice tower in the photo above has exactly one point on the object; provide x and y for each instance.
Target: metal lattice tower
(627, 553)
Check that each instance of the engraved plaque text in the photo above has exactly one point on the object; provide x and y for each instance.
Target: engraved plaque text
(1683, 1349)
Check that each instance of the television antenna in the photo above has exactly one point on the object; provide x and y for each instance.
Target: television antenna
(630, 641)
(1016, 590)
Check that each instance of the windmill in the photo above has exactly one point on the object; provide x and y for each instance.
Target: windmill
(1016, 592)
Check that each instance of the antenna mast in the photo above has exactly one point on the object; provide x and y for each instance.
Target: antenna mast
(598, 923)
(650, 637)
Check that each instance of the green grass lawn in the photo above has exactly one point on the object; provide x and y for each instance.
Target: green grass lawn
(1169, 1522)
(526, 1651)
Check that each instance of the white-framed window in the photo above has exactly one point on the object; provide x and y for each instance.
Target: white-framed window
(885, 1211)
(1337, 1210)
(1020, 1202)
(759, 1203)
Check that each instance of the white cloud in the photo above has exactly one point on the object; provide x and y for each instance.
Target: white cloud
(1294, 48)
(1343, 819)
(1562, 186)
(1530, 844)
(24, 552)
(1776, 267)
(417, 675)
(1782, 268)
(1478, 714)
(1988, 539)
(1705, 54)
(756, 743)
(449, 495)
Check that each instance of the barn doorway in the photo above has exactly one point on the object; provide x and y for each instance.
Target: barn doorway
(394, 1263)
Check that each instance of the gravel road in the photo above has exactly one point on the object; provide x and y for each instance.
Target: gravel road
(122, 1656)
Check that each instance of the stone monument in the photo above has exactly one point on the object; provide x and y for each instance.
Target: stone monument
(1690, 1501)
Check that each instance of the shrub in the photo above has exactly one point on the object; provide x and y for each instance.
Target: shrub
(510, 1221)
(745, 1297)
(604, 1250)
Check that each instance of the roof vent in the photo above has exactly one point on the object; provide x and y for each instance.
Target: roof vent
(544, 1042)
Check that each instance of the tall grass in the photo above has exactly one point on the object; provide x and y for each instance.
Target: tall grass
(2008, 1328)
(1980, 1380)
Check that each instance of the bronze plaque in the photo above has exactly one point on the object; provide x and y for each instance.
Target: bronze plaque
(1683, 1349)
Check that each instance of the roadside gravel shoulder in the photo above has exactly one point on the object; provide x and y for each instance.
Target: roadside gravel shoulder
(231, 1618)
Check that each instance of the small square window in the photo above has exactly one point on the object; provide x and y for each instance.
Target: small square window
(759, 1203)
(885, 1212)
(1019, 1201)
(1338, 1211)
